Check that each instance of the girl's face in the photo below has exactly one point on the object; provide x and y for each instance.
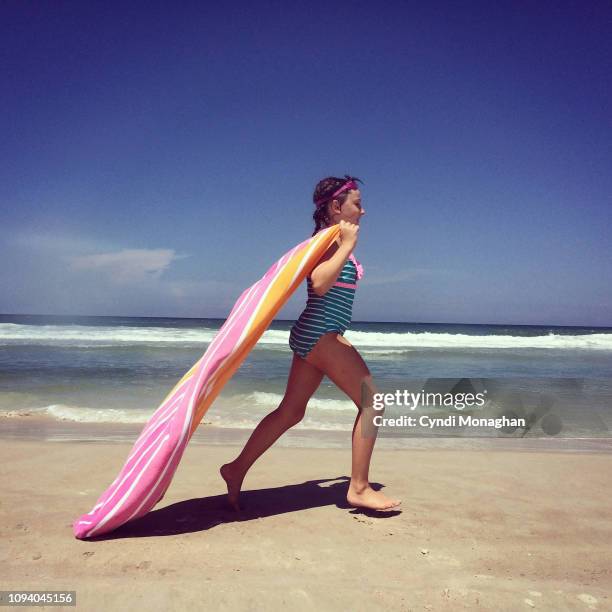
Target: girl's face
(350, 211)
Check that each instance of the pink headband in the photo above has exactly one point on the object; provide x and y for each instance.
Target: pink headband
(351, 184)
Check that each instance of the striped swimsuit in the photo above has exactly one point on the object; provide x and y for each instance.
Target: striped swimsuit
(330, 312)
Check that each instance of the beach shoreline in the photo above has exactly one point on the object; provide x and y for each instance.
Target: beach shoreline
(42, 428)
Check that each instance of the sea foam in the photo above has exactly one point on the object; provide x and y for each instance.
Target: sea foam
(372, 342)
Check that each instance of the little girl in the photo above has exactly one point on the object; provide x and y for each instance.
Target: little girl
(320, 349)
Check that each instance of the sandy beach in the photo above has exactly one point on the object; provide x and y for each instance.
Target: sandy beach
(479, 529)
(348, 216)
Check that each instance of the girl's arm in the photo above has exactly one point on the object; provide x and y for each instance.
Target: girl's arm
(330, 265)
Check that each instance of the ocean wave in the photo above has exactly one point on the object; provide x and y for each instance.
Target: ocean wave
(81, 414)
(428, 340)
(420, 340)
(308, 422)
(90, 336)
(239, 410)
(272, 400)
(374, 343)
(245, 411)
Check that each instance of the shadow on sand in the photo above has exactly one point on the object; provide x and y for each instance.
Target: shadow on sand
(193, 515)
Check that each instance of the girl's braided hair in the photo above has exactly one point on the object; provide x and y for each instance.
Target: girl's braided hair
(325, 189)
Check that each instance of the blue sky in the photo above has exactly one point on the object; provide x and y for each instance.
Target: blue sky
(156, 158)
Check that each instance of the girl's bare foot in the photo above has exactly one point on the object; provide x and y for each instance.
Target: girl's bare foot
(233, 480)
(367, 497)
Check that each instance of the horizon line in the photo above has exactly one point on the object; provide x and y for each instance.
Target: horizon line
(291, 320)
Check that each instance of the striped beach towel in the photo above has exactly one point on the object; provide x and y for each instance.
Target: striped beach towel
(153, 460)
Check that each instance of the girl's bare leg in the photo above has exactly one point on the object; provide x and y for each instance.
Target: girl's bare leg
(304, 379)
(341, 362)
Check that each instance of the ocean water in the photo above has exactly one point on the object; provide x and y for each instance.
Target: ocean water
(119, 369)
